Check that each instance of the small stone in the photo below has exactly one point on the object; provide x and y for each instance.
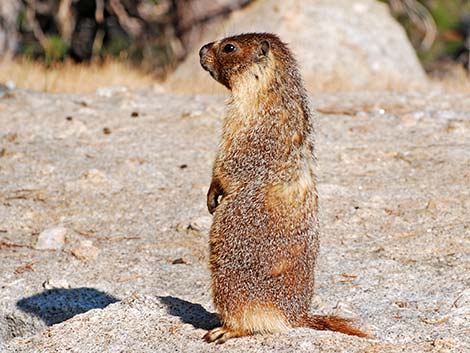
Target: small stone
(392, 212)
(201, 224)
(344, 309)
(106, 130)
(110, 91)
(11, 137)
(51, 239)
(431, 205)
(85, 250)
(51, 283)
(178, 261)
(181, 227)
(463, 299)
(11, 85)
(401, 304)
(134, 114)
(94, 176)
(308, 346)
(318, 303)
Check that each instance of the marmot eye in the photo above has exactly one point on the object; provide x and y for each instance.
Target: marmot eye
(229, 48)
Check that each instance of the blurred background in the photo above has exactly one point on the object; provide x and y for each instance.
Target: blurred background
(49, 44)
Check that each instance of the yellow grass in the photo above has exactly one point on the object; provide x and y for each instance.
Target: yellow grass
(451, 77)
(69, 77)
(453, 85)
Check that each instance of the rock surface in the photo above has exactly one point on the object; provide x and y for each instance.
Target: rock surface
(341, 45)
(393, 177)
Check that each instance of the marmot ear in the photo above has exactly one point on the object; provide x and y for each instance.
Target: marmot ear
(263, 49)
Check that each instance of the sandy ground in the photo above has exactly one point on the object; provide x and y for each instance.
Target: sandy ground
(125, 175)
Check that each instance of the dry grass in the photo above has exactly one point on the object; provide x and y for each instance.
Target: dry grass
(450, 85)
(450, 77)
(69, 77)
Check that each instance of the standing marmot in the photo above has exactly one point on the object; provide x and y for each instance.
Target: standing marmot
(264, 237)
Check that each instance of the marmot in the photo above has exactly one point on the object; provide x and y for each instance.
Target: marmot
(264, 235)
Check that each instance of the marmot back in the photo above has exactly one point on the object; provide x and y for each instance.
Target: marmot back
(264, 237)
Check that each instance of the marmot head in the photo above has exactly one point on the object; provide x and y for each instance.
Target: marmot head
(242, 57)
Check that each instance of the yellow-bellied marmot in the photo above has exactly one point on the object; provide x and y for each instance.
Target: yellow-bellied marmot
(264, 236)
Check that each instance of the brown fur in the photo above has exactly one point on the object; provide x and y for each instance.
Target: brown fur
(264, 237)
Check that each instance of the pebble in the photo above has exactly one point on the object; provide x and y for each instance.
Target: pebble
(85, 250)
(109, 91)
(11, 85)
(51, 239)
(198, 225)
(201, 224)
(52, 283)
(94, 176)
(178, 261)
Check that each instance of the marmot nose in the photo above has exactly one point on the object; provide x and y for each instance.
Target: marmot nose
(204, 49)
